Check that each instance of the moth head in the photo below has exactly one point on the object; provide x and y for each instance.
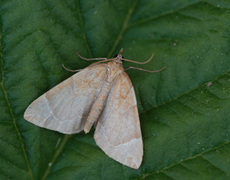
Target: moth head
(119, 56)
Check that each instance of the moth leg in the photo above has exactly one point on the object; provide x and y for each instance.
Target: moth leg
(70, 69)
(144, 69)
(88, 66)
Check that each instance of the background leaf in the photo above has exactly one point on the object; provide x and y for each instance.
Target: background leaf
(184, 110)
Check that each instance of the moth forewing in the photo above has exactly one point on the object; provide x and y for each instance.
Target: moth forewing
(118, 131)
(66, 106)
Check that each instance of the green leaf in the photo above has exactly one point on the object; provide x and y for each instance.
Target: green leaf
(184, 109)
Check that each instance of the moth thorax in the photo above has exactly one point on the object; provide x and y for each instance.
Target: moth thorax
(115, 68)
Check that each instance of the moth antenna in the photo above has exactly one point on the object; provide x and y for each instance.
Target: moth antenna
(145, 69)
(89, 59)
(139, 62)
(105, 60)
(70, 69)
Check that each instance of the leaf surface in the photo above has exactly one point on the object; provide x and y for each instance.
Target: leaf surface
(184, 109)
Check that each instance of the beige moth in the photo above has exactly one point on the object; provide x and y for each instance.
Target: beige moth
(101, 94)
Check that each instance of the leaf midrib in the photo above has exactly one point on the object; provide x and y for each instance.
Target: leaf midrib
(124, 27)
(12, 114)
(56, 154)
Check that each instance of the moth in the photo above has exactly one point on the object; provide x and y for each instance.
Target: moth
(101, 94)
